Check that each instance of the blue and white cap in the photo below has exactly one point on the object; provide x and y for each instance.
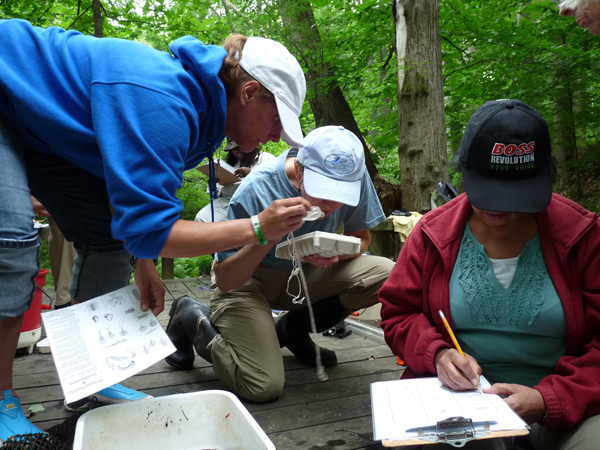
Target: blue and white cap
(334, 164)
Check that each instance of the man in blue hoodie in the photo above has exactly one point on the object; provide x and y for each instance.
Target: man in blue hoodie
(100, 131)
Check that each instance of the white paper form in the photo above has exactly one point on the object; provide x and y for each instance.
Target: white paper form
(402, 406)
(103, 341)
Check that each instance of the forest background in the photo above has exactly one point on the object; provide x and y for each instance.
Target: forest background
(490, 50)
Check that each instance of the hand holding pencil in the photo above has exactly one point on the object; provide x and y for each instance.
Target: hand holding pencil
(457, 371)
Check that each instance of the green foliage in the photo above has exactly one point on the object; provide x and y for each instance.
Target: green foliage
(192, 267)
(186, 267)
(193, 193)
(45, 262)
(490, 49)
(526, 52)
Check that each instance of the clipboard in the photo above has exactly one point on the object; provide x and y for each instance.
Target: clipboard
(456, 431)
(224, 173)
(422, 411)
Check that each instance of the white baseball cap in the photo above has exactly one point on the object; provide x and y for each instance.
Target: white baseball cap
(274, 67)
(334, 165)
(231, 144)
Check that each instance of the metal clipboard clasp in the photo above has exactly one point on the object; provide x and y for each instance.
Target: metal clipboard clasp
(456, 431)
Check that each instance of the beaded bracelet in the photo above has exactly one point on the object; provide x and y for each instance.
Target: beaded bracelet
(258, 231)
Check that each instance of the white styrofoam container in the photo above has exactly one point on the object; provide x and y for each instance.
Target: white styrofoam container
(29, 338)
(195, 421)
(320, 243)
(44, 346)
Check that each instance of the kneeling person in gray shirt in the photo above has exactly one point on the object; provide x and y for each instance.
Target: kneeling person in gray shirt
(237, 333)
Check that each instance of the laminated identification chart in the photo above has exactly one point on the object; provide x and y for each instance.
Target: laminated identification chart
(105, 340)
(400, 407)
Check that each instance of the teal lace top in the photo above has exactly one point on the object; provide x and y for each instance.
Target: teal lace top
(516, 334)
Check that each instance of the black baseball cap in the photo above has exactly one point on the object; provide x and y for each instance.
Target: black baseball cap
(505, 158)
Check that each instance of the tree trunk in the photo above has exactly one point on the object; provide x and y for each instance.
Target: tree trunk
(566, 144)
(226, 5)
(97, 8)
(328, 103)
(422, 151)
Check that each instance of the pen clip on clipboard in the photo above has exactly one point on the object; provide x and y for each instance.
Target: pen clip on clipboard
(456, 431)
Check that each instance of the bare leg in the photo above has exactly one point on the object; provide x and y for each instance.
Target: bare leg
(10, 330)
(12, 419)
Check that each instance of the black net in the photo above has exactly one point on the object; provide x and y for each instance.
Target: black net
(34, 442)
(59, 437)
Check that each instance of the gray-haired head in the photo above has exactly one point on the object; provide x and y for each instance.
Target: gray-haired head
(574, 4)
(585, 12)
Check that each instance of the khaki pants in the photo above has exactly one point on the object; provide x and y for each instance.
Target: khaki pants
(246, 354)
(585, 436)
(62, 254)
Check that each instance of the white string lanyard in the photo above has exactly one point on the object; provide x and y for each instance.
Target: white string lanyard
(299, 273)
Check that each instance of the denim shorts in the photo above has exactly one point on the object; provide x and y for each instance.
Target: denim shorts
(78, 202)
(19, 241)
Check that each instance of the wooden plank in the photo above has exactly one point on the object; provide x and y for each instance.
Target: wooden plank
(162, 366)
(355, 340)
(314, 413)
(308, 375)
(204, 279)
(54, 410)
(351, 434)
(41, 394)
(177, 288)
(322, 391)
(163, 317)
(140, 381)
(185, 388)
(367, 350)
(168, 295)
(200, 289)
(168, 268)
(44, 426)
(35, 363)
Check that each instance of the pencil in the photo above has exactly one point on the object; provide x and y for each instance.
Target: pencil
(456, 344)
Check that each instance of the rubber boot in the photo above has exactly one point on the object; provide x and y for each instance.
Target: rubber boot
(189, 327)
(293, 330)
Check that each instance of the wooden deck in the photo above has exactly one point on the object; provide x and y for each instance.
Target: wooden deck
(310, 415)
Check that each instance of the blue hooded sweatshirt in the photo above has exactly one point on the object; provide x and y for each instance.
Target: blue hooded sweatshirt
(131, 115)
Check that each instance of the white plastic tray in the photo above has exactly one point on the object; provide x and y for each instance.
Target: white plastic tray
(320, 243)
(195, 421)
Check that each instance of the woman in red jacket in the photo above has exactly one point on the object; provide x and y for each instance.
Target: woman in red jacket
(515, 269)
